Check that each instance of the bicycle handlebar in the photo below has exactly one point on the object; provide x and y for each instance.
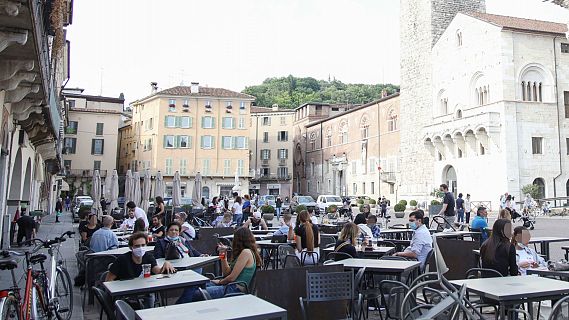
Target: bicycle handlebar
(49, 243)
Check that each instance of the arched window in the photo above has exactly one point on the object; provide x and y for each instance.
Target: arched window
(343, 130)
(364, 127)
(540, 183)
(533, 82)
(205, 192)
(442, 102)
(329, 137)
(391, 120)
(458, 38)
(458, 114)
(480, 89)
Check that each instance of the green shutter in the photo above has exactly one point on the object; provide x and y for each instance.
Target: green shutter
(246, 142)
(178, 122)
(212, 122)
(166, 121)
(201, 141)
(164, 142)
(190, 141)
(176, 141)
(213, 143)
(191, 121)
(92, 149)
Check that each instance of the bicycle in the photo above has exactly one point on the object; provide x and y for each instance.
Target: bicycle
(43, 297)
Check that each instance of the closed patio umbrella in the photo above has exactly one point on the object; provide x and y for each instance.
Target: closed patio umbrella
(114, 190)
(127, 188)
(136, 193)
(96, 192)
(197, 192)
(146, 191)
(160, 187)
(176, 190)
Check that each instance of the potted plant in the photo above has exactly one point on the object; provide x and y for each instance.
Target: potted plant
(299, 208)
(403, 202)
(372, 203)
(436, 204)
(399, 210)
(268, 213)
(360, 201)
(413, 203)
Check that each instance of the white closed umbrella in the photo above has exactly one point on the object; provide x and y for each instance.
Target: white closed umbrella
(197, 192)
(114, 190)
(160, 187)
(136, 193)
(127, 188)
(176, 190)
(96, 192)
(146, 191)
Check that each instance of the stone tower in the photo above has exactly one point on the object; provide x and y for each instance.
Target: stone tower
(422, 22)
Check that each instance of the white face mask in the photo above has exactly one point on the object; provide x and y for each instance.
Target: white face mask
(138, 252)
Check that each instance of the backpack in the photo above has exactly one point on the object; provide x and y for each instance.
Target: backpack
(171, 252)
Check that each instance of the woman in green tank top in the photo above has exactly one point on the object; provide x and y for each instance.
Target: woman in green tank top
(246, 259)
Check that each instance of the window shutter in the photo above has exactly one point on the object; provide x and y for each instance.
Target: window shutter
(233, 143)
(286, 135)
(191, 121)
(213, 143)
(212, 122)
(165, 142)
(203, 125)
(166, 121)
(92, 146)
(178, 122)
(246, 142)
(176, 141)
(202, 141)
(102, 146)
(190, 142)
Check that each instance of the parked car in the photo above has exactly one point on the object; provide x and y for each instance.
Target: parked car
(267, 199)
(307, 201)
(80, 201)
(324, 201)
(353, 201)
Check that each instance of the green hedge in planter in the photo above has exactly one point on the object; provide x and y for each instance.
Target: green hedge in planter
(413, 203)
(403, 202)
(332, 208)
(400, 207)
(435, 203)
(371, 201)
(268, 209)
(360, 201)
(300, 208)
(361, 207)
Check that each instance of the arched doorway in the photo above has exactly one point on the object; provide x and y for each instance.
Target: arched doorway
(449, 178)
(205, 192)
(16, 183)
(540, 183)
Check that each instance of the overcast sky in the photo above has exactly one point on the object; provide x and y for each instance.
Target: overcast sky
(123, 45)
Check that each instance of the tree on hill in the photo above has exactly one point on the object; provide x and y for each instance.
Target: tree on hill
(291, 92)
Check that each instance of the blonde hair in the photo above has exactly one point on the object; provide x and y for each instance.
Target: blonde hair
(505, 214)
(350, 232)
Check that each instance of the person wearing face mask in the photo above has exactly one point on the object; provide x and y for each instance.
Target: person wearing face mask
(173, 237)
(129, 265)
(526, 257)
(497, 252)
(421, 243)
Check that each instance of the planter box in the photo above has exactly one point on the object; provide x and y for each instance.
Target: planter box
(400, 214)
(435, 209)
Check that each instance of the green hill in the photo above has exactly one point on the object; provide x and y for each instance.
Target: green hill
(291, 92)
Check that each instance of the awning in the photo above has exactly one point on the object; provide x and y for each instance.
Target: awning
(64, 186)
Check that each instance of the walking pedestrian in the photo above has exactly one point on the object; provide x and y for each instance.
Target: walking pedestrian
(467, 208)
(67, 203)
(58, 209)
(279, 204)
(26, 228)
(447, 211)
(460, 208)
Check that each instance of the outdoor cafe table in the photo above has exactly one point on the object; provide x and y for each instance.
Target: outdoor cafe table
(238, 307)
(154, 283)
(258, 237)
(272, 250)
(544, 244)
(189, 262)
(456, 234)
(509, 291)
(390, 267)
(116, 252)
(375, 252)
(562, 275)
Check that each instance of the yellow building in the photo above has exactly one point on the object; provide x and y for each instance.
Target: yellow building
(193, 129)
(271, 151)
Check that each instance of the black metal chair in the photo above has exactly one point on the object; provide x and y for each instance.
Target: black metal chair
(430, 256)
(283, 251)
(337, 256)
(392, 295)
(557, 310)
(205, 294)
(326, 241)
(291, 261)
(124, 311)
(94, 267)
(106, 303)
(331, 286)
(366, 287)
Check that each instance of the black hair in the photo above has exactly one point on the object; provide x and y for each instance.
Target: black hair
(360, 219)
(495, 242)
(136, 236)
(418, 214)
(131, 205)
(159, 200)
(479, 210)
(372, 217)
(174, 223)
(444, 186)
(460, 195)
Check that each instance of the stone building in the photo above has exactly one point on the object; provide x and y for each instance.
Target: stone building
(271, 149)
(355, 152)
(193, 129)
(91, 138)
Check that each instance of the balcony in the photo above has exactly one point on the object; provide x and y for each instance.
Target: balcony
(388, 177)
(273, 178)
(265, 162)
(282, 162)
(84, 173)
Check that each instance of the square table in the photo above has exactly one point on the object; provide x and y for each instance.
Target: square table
(116, 252)
(376, 252)
(158, 282)
(189, 262)
(456, 234)
(391, 267)
(562, 275)
(544, 244)
(508, 291)
(272, 250)
(238, 307)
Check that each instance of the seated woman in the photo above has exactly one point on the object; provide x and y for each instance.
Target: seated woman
(361, 222)
(497, 252)
(241, 269)
(223, 221)
(139, 225)
(157, 229)
(307, 239)
(526, 257)
(347, 239)
(505, 214)
(88, 229)
(173, 237)
(256, 222)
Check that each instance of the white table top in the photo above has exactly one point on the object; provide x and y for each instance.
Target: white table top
(515, 288)
(189, 262)
(548, 239)
(376, 250)
(387, 266)
(455, 233)
(238, 307)
(118, 251)
(154, 283)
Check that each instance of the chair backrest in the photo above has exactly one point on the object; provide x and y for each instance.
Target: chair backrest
(430, 256)
(283, 251)
(205, 294)
(337, 256)
(279, 238)
(309, 256)
(386, 243)
(124, 311)
(476, 273)
(105, 301)
(392, 294)
(325, 241)
(291, 261)
(329, 286)
(95, 267)
(557, 310)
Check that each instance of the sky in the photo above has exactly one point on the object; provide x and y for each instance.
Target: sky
(120, 46)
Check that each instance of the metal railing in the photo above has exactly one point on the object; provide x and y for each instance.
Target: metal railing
(84, 173)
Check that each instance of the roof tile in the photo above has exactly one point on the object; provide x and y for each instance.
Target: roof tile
(516, 23)
(204, 91)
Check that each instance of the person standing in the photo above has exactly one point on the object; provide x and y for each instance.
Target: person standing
(26, 228)
(447, 210)
(460, 208)
(467, 208)
(58, 209)
(103, 205)
(279, 205)
(246, 208)
(237, 211)
(67, 203)
(138, 212)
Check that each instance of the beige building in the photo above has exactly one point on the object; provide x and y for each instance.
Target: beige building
(91, 137)
(126, 151)
(354, 152)
(271, 148)
(193, 129)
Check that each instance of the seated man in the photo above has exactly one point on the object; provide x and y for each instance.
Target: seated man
(188, 232)
(256, 222)
(223, 221)
(286, 227)
(104, 239)
(479, 223)
(129, 222)
(129, 265)
(421, 243)
(372, 224)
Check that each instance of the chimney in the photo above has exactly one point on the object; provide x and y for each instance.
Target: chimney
(275, 107)
(195, 87)
(153, 87)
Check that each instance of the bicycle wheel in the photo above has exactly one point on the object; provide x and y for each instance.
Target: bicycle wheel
(39, 304)
(9, 308)
(63, 294)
